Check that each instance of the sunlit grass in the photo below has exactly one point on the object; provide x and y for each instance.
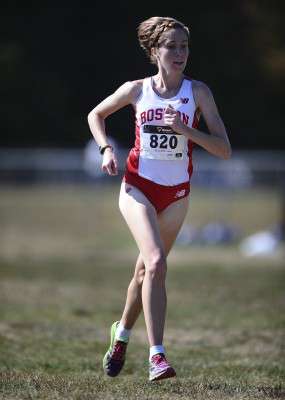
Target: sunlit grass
(65, 262)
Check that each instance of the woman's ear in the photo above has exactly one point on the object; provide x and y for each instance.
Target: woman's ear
(154, 52)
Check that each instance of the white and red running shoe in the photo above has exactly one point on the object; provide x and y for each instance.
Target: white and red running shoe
(159, 368)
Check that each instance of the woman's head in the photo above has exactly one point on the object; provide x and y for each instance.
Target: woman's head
(154, 31)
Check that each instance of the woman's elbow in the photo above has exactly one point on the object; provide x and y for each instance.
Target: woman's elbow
(95, 114)
(90, 117)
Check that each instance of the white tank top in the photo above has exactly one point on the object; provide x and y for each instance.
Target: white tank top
(160, 154)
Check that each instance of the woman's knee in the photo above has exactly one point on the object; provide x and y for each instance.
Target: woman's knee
(139, 275)
(156, 266)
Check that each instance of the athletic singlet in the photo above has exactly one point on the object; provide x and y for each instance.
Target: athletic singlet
(160, 154)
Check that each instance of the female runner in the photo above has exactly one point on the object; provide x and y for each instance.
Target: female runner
(155, 190)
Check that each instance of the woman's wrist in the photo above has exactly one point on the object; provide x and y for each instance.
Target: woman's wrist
(102, 149)
(185, 130)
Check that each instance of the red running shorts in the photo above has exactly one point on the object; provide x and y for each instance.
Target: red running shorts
(160, 196)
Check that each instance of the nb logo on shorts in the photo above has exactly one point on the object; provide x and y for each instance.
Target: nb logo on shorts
(184, 100)
(180, 193)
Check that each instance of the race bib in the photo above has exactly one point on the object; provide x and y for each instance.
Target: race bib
(161, 143)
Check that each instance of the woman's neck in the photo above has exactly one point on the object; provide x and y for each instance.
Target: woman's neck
(167, 84)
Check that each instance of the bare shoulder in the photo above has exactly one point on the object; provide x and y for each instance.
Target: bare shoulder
(203, 97)
(137, 83)
(204, 100)
(131, 89)
(200, 89)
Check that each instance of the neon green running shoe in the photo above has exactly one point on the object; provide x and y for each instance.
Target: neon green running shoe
(114, 359)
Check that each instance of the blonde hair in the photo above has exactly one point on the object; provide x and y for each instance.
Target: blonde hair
(150, 31)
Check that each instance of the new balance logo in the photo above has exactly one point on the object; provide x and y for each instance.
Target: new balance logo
(184, 100)
(180, 193)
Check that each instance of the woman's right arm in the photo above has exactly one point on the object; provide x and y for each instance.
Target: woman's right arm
(123, 96)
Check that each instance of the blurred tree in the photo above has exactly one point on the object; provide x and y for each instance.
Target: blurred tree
(58, 62)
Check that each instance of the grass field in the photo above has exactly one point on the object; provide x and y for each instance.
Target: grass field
(65, 261)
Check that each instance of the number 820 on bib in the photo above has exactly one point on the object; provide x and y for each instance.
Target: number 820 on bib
(162, 143)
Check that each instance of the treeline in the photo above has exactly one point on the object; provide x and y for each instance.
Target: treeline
(58, 62)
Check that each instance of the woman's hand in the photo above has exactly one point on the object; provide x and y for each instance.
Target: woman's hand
(172, 119)
(109, 163)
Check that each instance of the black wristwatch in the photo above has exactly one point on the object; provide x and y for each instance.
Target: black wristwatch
(102, 149)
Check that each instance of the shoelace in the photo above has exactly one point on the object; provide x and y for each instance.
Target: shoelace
(119, 351)
(159, 358)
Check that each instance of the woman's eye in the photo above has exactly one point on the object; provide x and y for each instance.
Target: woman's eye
(173, 47)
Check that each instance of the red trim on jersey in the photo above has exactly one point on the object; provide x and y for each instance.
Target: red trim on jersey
(190, 143)
(133, 158)
(194, 125)
(196, 118)
(190, 164)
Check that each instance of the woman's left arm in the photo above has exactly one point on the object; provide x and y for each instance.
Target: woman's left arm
(217, 143)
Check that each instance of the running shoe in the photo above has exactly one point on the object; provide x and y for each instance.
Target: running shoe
(159, 368)
(114, 359)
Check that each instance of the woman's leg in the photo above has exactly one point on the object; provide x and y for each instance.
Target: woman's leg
(170, 222)
(155, 236)
(133, 306)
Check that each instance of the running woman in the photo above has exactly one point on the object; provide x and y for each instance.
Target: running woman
(154, 194)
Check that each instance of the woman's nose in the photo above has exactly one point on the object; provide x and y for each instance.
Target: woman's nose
(179, 51)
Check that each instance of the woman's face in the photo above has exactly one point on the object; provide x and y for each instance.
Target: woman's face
(172, 51)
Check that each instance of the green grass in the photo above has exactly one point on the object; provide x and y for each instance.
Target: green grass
(65, 261)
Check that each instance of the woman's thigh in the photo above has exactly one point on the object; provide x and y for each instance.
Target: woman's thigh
(151, 231)
(170, 221)
(141, 217)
